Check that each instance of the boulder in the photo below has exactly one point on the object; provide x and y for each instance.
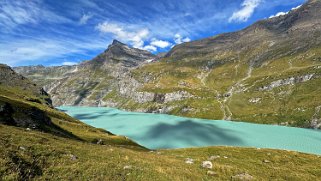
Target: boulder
(207, 164)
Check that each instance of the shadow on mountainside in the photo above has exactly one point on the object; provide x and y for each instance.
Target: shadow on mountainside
(189, 134)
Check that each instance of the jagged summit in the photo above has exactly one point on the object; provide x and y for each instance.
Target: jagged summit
(116, 42)
(118, 52)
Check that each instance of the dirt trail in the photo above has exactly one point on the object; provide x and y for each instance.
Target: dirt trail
(229, 94)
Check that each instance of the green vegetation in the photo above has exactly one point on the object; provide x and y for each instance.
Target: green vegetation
(291, 104)
(35, 155)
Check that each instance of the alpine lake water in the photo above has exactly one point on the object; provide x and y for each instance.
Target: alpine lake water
(161, 131)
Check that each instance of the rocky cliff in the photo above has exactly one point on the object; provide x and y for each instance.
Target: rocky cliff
(267, 73)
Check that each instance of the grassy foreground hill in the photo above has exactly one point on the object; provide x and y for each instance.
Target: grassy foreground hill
(39, 142)
(42, 156)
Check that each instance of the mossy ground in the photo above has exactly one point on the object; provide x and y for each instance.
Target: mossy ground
(42, 156)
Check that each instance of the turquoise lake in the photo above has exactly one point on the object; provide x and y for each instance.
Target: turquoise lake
(158, 131)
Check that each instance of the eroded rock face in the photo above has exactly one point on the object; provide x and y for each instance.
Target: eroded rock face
(316, 120)
(288, 81)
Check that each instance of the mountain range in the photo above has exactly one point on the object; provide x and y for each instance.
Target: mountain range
(268, 73)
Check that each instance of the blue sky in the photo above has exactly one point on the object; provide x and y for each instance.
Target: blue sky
(64, 32)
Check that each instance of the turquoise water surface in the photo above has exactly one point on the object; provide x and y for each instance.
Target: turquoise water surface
(157, 131)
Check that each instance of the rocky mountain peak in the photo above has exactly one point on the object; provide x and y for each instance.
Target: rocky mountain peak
(117, 43)
(119, 52)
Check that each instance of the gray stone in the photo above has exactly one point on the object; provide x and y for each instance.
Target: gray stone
(73, 157)
(128, 167)
(189, 161)
(214, 157)
(211, 173)
(207, 164)
(242, 176)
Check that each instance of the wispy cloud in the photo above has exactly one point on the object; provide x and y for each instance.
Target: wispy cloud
(14, 13)
(34, 50)
(243, 14)
(84, 19)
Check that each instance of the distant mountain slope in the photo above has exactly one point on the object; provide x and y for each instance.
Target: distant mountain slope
(267, 73)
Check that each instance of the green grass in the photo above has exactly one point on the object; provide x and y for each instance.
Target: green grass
(42, 156)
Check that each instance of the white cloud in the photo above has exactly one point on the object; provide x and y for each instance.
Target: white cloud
(160, 43)
(243, 14)
(295, 8)
(84, 19)
(135, 38)
(278, 14)
(179, 39)
(284, 13)
(150, 48)
(69, 63)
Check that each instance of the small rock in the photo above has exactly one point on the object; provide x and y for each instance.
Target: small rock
(100, 142)
(28, 129)
(207, 164)
(22, 148)
(242, 176)
(211, 173)
(127, 167)
(225, 157)
(266, 161)
(73, 157)
(214, 157)
(189, 161)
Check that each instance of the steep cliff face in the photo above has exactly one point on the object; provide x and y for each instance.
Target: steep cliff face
(266, 73)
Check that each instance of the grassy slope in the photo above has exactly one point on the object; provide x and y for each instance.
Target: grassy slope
(32, 154)
(277, 106)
